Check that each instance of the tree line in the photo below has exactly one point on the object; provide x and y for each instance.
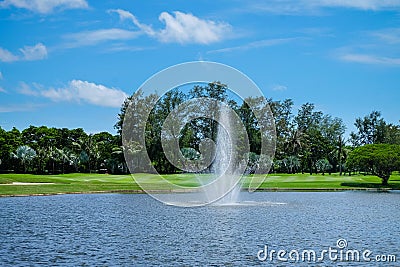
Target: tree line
(45, 150)
(307, 140)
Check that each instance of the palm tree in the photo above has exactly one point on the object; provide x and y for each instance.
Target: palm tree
(86, 145)
(83, 158)
(65, 155)
(74, 160)
(133, 150)
(323, 165)
(55, 155)
(295, 142)
(339, 154)
(25, 154)
(292, 163)
(118, 156)
(41, 156)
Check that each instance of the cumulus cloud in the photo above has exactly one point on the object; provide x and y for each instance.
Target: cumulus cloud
(181, 28)
(45, 6)
(78, 91)
(97, 36)
(187, 28)
(28, 53)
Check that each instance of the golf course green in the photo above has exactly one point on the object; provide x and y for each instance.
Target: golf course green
(29, 184)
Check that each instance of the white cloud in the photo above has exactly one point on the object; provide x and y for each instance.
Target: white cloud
(2, 90)
(19, 107)
(45, 6)
(94, 37)
(25, 89)
(36, 52)
(314, 7)
(389, 36)
(370, 59)
(181, 28)
(7, 56)
(378, 47)
(279, 87)
(1, 75)
(256, 44)
(358, 4)
(79, 91)
(117, 47)
(126, 15)
(317, 31)
(187, 28)
(28, 53)
(286, 7)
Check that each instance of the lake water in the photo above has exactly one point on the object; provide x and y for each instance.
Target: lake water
(136, 230)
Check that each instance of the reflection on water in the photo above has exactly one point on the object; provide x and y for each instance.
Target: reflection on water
(117, 229)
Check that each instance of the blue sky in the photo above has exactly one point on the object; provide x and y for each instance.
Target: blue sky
(70, 63)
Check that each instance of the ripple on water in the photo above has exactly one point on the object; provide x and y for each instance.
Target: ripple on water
(119, 229)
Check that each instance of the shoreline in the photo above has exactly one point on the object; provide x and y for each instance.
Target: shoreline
(168, 191)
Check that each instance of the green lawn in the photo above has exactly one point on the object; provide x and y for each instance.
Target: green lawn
(80, 183)
(64, 183)
(333, 181)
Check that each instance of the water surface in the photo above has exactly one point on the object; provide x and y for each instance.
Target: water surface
(136, 230)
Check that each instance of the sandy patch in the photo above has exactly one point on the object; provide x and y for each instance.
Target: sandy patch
(21, 183)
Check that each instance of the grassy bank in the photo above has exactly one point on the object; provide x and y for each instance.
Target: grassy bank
(19, 184)
(28, 184)
(333, 181)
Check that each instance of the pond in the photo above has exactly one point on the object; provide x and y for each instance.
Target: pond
(136, 230)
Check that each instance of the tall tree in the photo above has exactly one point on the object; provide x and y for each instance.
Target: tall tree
(321, 135)
(370, 130)
(392, 134)
(133, 119)
(9, 142)
(282, 111)
(89, 151)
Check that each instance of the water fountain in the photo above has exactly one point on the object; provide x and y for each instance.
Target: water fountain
(225, 158)
(224, 163)
(227, 168)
